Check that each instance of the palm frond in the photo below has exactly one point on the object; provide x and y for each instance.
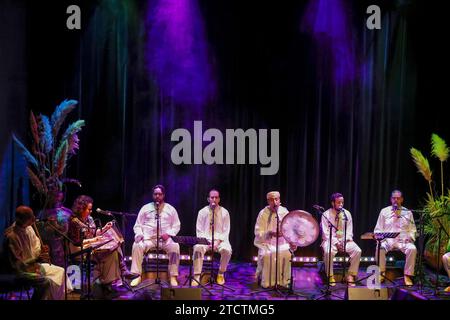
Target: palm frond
(34, 128)
(439, 148)
(73, 144)
(37, 183)
(25, 153)
(421, 163)
(60, 159)
(60, 114)
(73, 128)
(45, 131)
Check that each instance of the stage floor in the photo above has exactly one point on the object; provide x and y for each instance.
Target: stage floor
(308, 283)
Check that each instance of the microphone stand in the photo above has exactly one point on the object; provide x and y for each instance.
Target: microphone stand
(344, 266)
(212, 279)
(157, 281)
(276, 288)
(66, 240)
(327, 293)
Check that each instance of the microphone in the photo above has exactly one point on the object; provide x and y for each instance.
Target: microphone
(105, 212)
(317, 207)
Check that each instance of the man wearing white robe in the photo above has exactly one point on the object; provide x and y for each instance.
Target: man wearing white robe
(396, 218)
(24, 252)
(266, 240)
(221, 234)
(342, 220)
(145, 234)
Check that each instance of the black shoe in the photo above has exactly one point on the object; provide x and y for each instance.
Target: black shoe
(129, 275)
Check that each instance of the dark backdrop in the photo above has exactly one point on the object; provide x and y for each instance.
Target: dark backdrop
(258, 67)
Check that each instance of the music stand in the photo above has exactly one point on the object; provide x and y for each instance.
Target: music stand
(190, 242)
(378, 237)
(88, 252)
(328, 292)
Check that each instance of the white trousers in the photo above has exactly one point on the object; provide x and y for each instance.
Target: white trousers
(409, 249)
(57, 281)
(224, 248)
(352, 249)
(170, 247)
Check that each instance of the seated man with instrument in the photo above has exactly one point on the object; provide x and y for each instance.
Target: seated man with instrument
(30, 260)
(145, 230)
(266, 242)
(109, 267)
(343, 223)
(396, 218)
(221, 233)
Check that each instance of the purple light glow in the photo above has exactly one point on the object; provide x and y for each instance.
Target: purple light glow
(327, 22)
(177, 52)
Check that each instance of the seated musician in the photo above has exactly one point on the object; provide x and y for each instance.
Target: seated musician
(338, 216)
(145, 230)
(266, 240)
(221, 233)
(396, 218)
(109, 264)
(29, 261)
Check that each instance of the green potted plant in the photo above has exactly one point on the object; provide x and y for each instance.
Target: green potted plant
(437, 205)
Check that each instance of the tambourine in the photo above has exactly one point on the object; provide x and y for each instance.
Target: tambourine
(299, 228)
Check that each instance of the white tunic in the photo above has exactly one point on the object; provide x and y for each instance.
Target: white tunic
(146, 221)
(265, 223)
(221, 224)
(397, 221)
(338, 221)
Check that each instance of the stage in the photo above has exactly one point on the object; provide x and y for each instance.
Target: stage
(308, 282)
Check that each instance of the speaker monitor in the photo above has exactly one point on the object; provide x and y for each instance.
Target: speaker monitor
(181, 294)
(366, 294)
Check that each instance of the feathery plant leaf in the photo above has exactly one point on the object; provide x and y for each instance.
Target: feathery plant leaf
(439, 148)
(60, 114)
(60, 159)
(73, 144)
(421, 163)
(34, 128)
(37, 183)
(73, 128)
(46, 137)
(25, 153)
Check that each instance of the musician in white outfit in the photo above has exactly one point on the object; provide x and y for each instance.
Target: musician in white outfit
(26, 258)
(396, 218)
(221, 234)
(265, 241)
(145, 234)
(342, 220)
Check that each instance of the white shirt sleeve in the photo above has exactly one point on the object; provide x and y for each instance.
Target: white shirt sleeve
(175, 223)
(140, 222)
